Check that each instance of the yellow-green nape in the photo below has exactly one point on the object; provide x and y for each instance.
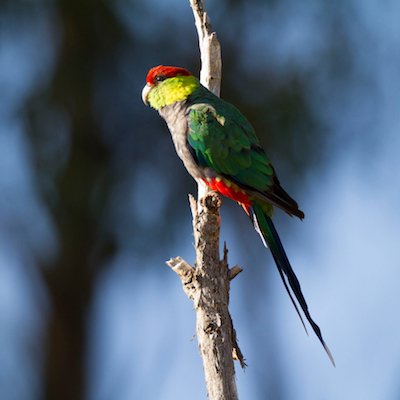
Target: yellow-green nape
(171, 90)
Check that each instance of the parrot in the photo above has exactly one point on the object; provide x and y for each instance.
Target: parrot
(219, 148)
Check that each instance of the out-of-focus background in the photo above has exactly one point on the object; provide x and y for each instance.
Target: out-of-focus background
(94, 199)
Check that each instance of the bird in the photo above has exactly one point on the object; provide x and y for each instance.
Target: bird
(219, 148)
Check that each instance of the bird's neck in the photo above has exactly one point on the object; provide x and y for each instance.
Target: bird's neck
(172, 90)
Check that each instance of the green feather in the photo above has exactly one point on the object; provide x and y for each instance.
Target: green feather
(224, 140)
(264, 226)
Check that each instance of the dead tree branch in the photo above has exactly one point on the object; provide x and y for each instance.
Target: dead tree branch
(208, 283)
(208, 286)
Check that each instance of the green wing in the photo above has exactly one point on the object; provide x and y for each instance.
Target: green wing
(223, 140)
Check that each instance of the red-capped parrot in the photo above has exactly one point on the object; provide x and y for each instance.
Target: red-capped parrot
(219, 147)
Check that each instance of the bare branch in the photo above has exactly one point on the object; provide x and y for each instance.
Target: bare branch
(208, 283)
(234, 271)
(210, 49)
(208, 286)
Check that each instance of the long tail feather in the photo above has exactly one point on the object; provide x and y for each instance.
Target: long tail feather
(264, 226)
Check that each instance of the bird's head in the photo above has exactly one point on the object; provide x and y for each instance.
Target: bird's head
(166, 85)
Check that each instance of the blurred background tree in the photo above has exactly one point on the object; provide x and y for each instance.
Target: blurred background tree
(94, 198)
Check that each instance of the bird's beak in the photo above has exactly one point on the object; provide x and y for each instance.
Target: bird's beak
(145, 93)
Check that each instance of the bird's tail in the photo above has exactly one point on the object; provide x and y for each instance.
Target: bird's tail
(264, 226)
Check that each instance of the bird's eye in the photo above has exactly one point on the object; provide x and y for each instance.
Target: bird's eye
(159, 78)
